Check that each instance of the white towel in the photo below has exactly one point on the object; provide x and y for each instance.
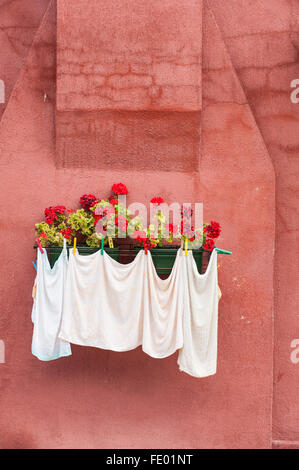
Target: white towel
(198, 357)
(118, 306)
(47, 308)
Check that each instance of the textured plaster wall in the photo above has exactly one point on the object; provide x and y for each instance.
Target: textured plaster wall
(184, 108)
(19, 21)
(262, 38)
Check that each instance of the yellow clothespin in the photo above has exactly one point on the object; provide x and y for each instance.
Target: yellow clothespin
(75, 243)
(186, 247)
(110, 241)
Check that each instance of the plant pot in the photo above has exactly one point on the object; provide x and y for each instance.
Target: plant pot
(164, 258)
(54, 252)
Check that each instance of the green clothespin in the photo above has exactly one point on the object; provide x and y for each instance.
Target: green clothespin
(102, 246)
(223, 252)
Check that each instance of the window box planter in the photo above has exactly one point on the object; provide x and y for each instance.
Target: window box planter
(164, 257)
(54, 252)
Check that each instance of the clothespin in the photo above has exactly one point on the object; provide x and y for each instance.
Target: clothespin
(39, 245)
(75, 244)
(110, 241)
(186, 247)
(145, 248)
(35, 267)
(102, 246)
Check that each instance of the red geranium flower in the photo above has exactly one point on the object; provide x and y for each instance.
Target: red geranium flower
(209, 245)
(157, 200)
(52, 213)
(66, 233)
(213, 230)
(119, 188)
(169, 228)
(42, 235)
(97, 217)
(113, 201)
(87, 201)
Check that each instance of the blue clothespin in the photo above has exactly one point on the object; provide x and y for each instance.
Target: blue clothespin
(35, 267)
(223, 252)
(102, 246)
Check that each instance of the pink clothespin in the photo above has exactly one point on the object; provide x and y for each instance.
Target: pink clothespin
(39, 245)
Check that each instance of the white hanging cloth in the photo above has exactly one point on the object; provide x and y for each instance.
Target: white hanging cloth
(118, 306)
(198, 357)
(47, 308)
(103, 302)
(163, 309)
(95, 301)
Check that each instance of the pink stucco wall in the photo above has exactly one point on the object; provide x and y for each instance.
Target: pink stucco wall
(19, 22)
(187, 112)
(262, 39)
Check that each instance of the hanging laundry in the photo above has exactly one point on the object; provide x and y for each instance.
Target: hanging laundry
(103, 302)
(47, 308)
(198, 356)
(163, 309)
(118, 306)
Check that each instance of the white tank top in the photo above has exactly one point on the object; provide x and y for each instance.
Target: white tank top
(47, 307)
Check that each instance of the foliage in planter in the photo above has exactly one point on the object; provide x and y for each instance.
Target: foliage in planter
(163, 233)
(61, 223)
(104, 218)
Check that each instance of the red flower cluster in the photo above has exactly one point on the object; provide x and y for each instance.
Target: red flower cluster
(141, 236)
(66, 233)
(209, 244)
(96, 217)
(171, 228)
(119, 188)
(213, 230)
(43, 235)
(157, 200)
(88, 200)
(52, 213)
(113, 201)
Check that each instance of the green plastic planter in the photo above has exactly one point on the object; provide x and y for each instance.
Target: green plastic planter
(54, 252)
(164, 257)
